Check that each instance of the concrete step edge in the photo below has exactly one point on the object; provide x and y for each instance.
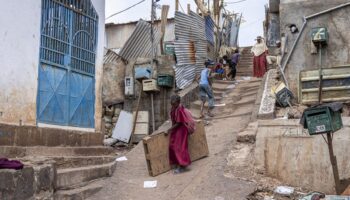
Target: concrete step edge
(79, 193)
(74, 177)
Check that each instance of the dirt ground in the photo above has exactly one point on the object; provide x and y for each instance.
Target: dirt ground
(215, 177)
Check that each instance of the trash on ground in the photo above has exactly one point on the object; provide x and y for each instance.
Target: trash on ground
(231, 86)
(123, 158)
(284, 190)
(220, 105)
(337, 197)
(313, 195)
(149, 184)
(109, 141)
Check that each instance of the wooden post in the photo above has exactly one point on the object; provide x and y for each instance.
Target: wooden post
(176, 5)
(152, 106)
(164, 21)
(334, 163)
(188, 9)
(136, 115)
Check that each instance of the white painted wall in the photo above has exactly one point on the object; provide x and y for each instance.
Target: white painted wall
(118, 34)
(100, 9)
(19, 56)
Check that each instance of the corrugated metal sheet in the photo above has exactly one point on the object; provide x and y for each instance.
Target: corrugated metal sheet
(110, 57)
(139, 44)
(201, 42)
(184, 75)
(190, 47)
(209, 29)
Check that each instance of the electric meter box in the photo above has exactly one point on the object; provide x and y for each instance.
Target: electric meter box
(129, 86)
(150, 85)
(319, 35)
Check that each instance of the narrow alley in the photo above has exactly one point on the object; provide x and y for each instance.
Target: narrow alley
(175, 100)
(207, 178)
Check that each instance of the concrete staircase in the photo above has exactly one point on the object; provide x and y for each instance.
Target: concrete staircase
(231, 98)
(245, 65)
(79, 166)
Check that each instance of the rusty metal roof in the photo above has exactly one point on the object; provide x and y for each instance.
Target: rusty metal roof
(139, 44)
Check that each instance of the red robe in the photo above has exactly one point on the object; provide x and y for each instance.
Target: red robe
(260, 65)
(178, 144)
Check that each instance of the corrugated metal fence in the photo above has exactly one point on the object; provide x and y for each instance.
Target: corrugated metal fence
(190, 47)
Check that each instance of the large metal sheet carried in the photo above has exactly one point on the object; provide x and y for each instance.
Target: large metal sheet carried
(157, 153)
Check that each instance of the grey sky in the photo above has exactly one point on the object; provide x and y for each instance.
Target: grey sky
(253, 13)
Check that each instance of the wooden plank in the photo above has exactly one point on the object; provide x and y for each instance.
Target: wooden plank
(336, 85)
(141, 129)
(142, 117)
(157, 153)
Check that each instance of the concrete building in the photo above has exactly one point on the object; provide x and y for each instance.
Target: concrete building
(304, 56)
(51, 56)
(118, 34)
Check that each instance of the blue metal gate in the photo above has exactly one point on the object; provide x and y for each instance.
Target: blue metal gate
(66, 93)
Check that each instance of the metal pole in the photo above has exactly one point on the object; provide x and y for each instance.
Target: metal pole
(320, 76)
(334, 163)
(153, 121)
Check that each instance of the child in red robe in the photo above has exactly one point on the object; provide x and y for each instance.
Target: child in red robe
(182, 125)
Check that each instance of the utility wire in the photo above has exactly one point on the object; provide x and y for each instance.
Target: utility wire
(181, 7)
(124, 9)
(235, 2)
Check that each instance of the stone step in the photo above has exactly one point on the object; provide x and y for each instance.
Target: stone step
(247, 136)
(248, 94)
(224, 82)
(79, 193)
(239, 109)
(197, 104)
(15, 151)
(80, 176)
(244, 101)
(81, 161)
(218, 93)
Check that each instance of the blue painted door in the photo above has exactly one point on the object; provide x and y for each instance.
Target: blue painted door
(66, 93)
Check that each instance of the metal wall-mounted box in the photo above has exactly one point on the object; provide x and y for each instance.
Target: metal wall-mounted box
(319, 35)
(322, 120)
(169, 48)
(165, 80)
(143, 73)
(150, 85)
(129, 86)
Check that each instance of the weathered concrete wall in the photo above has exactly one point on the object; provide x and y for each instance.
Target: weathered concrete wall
(32, 182)
(12, 135)
(19, 55)
(284, 150)
(337, 53)
(118, 34)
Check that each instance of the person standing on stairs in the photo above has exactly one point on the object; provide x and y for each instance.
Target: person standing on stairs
(183, 124)
(259, 51)
(234, 63)
(205, 88)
